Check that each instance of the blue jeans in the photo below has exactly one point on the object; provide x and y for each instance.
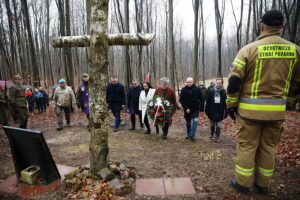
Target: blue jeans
(191, 123)
(117, 115)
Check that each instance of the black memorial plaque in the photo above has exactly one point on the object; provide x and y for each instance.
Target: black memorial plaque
(28, 147)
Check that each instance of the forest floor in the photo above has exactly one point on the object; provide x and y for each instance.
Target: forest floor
(210, 165)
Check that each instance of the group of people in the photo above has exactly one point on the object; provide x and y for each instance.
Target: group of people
(264, 81)
(37, 97)
(192, 100)
(19, 100)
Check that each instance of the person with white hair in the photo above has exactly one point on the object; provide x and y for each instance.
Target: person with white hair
(169, 94)
(191, 99)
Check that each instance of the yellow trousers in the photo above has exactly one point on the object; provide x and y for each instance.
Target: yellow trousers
(256, 143)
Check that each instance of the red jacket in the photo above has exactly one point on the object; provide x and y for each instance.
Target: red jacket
(169, 95)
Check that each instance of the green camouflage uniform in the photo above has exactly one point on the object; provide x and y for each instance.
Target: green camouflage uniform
(18, 103)
(64, 100)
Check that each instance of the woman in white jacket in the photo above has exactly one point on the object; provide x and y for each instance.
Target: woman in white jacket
(146, 95)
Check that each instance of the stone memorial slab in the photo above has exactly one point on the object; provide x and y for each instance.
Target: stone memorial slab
(150, 187)
(165, 186)
(179, 186)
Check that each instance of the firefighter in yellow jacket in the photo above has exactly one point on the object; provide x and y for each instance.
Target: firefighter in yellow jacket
(265, 78)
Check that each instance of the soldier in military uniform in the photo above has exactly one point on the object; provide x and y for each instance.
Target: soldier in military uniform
(18, 102)
(4, 116)
(265, 78)
(64, 100)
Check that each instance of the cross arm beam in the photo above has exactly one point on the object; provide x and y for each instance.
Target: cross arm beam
(121, 39)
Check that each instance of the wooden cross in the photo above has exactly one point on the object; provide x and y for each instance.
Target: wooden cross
(98, 41)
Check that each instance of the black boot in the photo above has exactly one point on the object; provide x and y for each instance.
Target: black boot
(132, 118)
(239, 187)
(212, 132)
(165, 131)
(164, 136)
(261, 190)
(192, 138)
(157, 130)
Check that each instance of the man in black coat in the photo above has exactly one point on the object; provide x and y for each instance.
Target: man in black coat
(191, 100)
(216, 109)
(133, 103)
(116, 100)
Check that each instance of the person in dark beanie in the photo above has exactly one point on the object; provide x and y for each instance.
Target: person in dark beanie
(264, 81)
(133, 103)
(191, 99)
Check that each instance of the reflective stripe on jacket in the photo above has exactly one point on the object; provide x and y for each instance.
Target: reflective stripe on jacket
(269, 69)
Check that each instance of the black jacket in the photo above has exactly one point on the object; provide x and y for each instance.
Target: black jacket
(133, 99)
(191, 98)
(45, 97)
(115, 96)
(216, 111)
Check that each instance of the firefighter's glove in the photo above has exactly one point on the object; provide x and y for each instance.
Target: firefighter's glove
(232, 113)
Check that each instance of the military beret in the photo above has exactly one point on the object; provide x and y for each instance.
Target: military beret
(61, 81)
(273, 18)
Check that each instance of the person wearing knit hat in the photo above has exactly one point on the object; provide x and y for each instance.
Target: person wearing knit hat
(64, 100)
(264, 80)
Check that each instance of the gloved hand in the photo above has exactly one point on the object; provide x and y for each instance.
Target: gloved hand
(232, 113)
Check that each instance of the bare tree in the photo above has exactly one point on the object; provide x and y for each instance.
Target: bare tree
(292, 15)
(203, 29)
(172, 45)
(36, 75)
(68, 53)
(219, 18)
(196, 5)
(248, 21)
(127, 66)
(238, 24)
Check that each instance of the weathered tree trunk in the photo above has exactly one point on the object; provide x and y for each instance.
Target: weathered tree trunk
(47, 43)
(219, 17)
(98, 69)
(69, 63)
(139, 25)
(248, 22)
(196, 41)
(127, 66)
(36, 74)
(11, 36)
(172, 45)
(203, 40)
(254, 27)
(238, 24)
(167, 43)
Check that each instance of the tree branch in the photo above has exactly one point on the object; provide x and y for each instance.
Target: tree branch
(121, 39)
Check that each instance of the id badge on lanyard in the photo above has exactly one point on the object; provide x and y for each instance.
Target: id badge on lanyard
(217, 99)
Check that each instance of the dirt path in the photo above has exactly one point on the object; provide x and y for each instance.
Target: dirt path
(210, 165)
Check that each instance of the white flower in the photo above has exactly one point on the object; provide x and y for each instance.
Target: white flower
(151, 104)
(167, 103)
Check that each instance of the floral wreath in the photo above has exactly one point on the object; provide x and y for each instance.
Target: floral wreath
(159, 110)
